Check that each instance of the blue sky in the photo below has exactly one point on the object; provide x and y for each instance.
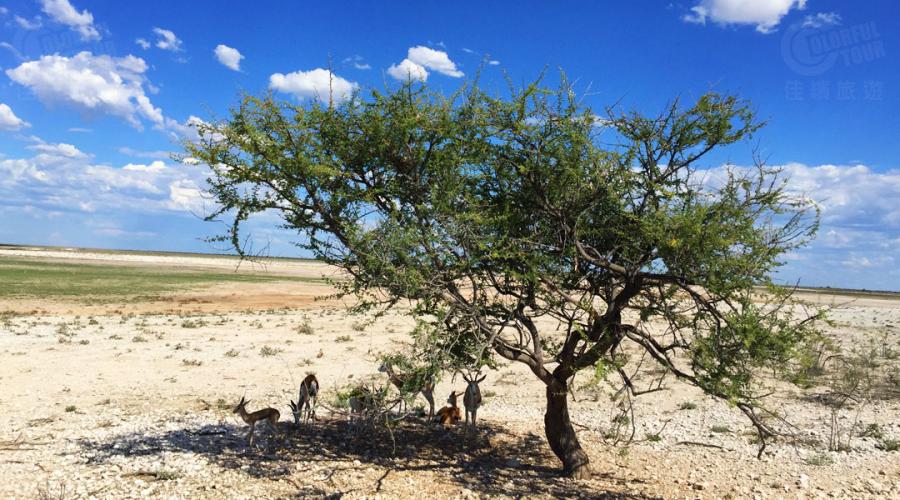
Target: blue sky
(94, 96)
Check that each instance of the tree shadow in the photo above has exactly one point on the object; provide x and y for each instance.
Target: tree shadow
(495, 462)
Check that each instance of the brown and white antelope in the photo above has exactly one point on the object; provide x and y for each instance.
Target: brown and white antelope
(472, 398)
(271, 415)
(305, 407)
(399, 381)
(449, 415)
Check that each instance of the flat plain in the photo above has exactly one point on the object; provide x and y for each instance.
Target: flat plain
(120, 370)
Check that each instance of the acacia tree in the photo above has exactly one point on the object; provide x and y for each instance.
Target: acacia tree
(496, 217)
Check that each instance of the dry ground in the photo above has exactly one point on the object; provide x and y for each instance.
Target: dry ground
(132, 398)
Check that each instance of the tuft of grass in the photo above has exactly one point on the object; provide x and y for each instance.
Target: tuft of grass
(873, 431)
(188, 323)
(888, 445)
(70, 408)
(358, 326)
(654, 438)
(687, 405)
(305, 328)
(820, 459)
(266, 351)
(232, 353)
(191, 362)
(343, 338)
(720, 429)
(166, 474)
(138, 338)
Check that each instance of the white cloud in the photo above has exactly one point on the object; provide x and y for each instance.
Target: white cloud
(184, 195)
(9, 121)
(58, 151)
(102, 84)
(64, 13)
(166, 40)
(821, 20)
(61, 177)
(408, 70)
(435, 60)
(765, 14)
(358, 62)
(494, 62)
(25, 24)
(317, 83)
(228, 56)
(143, 43)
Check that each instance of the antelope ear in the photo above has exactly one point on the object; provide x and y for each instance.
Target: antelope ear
(478, 381)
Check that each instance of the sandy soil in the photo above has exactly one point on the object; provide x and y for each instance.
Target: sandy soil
(134, 400)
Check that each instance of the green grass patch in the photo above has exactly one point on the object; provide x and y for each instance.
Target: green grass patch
(23, 277)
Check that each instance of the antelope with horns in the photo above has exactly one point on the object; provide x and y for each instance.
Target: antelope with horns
(270, 415)
(399, 380)
(305, 407)
(472, 399)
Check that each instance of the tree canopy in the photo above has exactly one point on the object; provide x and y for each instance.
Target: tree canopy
(496, 216)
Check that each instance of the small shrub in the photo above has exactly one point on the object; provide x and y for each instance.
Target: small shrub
(232, 353)
(343, 338)
(889, 445)
(687, 405)
(358, 326)
(188, 323)
(654, 438)
(84, 341)
(269, 351)
(819, 459)
(873, 431)
(138, 338)
(70, 408)
(720, 429)
(304, 328)
(191, 362)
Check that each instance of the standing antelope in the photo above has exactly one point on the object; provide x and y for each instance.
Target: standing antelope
(270, 415)
(472, 398)
(449, 415)
(306, 402)
(399, 381)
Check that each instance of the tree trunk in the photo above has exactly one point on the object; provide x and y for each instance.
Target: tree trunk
(561, 434)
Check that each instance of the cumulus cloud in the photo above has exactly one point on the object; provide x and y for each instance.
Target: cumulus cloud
(860, 225)
(408, 70)
(166, 40)
(764, 14)
(64, 13)
(60, 177)
(99, 84)
(229, 57)
(142, 43)
(9, 121)
(435, 60)
(317, 83)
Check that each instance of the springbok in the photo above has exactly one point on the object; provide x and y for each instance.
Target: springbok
(306, 402)
(449, 415)
(472, 399)
(399, 380)
(270, 415)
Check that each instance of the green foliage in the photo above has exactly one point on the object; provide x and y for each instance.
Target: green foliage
(489, 214)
